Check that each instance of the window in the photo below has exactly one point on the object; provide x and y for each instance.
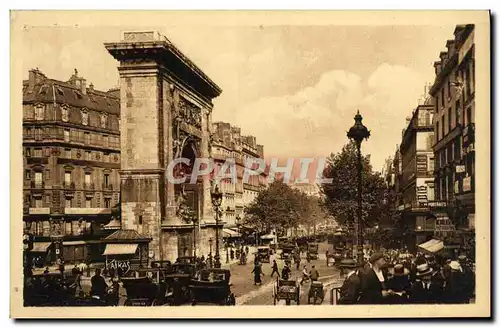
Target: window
(452, 150)
(38, 202)
(66, 135)
(107, 202)
(104, 120)
(38, 134)
(449, 120)
(85, 117)
(437, 103)
(87, 138)
(106, 180)
(67, 152)
(140, 219)
(87, 178)
(442, 128)
(65, 114)
(27, 175)
(449, 89)
(38, 152)
(442, 97)
(88, 203)
(88, 155)
(457, 112)
(39, 112)
(469, 115)
(27, 152)
(47, 174)
(67, 178)
(47, 200)
(67, 203)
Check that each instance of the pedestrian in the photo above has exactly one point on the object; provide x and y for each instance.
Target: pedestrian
(285, 272)
(305, 275)
(275, 269)
(455, 289)
(469, 279)
(314, 274)
(257, 273)
(400, 284)
(424, 290)
(350, 291)
(373, 283)
(247, 250)
(98, 284)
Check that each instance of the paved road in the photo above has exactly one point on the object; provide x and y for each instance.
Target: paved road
(330, 277)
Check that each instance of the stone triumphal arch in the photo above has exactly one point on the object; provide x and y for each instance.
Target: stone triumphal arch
(166, 108)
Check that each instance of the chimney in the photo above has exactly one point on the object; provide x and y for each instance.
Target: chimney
(83, 86)
(35, 77)
(437, 67)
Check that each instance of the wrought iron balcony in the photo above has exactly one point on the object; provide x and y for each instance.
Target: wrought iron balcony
(69, 185)
(108, 186)
(37, 185)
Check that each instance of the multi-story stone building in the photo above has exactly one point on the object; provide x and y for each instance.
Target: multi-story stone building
(228, 143)
(417, 207)
(453, 93)
(71, 158)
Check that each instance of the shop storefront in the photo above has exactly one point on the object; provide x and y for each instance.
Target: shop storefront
(126, 251)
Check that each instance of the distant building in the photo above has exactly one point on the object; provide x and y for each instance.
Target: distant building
(71, 158)
(228, 143)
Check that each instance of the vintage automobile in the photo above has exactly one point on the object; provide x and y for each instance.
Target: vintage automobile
(211, 286)
(141, 291)
(312, 251)
(177, 282)
(316, 292)
(287, 251)
(263, 254)
(48, 289)
(287, 290)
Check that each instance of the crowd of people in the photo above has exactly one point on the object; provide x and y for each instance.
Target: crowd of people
(401, 278)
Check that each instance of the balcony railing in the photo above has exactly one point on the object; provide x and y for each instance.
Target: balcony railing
(108, 186)
(69, 185)
(88, 186)
(37, 184)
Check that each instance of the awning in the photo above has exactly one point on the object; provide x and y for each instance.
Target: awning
(120, 249)
(230, 233)
(433, 245)
(267, 237)
(74, 243)
(41, 246)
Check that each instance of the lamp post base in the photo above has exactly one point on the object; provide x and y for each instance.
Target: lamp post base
(217, 263)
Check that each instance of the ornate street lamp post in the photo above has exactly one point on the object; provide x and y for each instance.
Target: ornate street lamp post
(216, 202)
(358, 132)
(210, 253)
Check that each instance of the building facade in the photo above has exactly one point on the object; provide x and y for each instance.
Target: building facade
(417, 205)
(227, 144)
(71, 159)
(453, 93)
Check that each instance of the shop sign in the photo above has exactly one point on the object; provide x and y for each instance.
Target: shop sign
(116, 264)
(457, 190)
(422, 194)
(460, 169)
(466, 47)
(466, 184)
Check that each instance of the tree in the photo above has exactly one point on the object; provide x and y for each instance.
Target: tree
(277, 207)
(341, 195)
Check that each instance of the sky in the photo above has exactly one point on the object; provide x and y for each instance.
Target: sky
(295, 88)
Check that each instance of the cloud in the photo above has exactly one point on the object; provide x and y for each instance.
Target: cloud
(314, 120)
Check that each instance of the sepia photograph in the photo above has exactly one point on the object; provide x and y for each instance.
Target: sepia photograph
(243, 164)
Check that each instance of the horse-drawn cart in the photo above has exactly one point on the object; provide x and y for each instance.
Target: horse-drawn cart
(287, 290)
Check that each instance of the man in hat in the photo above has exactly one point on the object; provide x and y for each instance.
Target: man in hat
(455, 289)
(424, 290)
(350, 291)
(400, 284)
(373, 282)
(469, 279)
